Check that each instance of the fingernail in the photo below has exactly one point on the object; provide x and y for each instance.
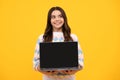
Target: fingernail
(53, 71)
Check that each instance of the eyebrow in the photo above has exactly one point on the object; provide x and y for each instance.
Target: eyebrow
(57, 15)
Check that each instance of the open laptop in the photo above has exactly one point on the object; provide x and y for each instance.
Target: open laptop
(58, 56)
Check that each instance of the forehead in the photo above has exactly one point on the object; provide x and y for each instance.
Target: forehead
(56, 12)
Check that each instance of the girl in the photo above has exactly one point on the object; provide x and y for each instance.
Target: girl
(57, 30)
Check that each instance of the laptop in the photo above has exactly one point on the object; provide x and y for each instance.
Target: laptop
(58, 56)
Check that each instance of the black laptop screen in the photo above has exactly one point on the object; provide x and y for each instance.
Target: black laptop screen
(58, 55)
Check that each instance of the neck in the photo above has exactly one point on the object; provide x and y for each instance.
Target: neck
(57, 30)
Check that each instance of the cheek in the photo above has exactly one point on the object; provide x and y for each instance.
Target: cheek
(62, 20)
(51, 21)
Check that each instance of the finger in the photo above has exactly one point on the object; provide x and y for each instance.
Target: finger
(66, 71)
(36, 68)
(52, 71)
(71, 70)
(48, 71)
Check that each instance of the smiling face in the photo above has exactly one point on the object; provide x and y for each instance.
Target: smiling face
(57, 20)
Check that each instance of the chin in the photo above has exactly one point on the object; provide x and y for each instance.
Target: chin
(58, 27)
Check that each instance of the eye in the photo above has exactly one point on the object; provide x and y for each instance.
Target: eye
(60, 16)
(52, 17)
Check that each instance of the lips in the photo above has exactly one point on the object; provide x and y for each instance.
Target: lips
(58, 23)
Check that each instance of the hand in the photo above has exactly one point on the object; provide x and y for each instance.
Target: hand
(69, 72)
(80, 67)
(38, 68)
(46, 72)
(50, 72)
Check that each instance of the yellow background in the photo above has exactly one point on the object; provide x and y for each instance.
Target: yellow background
(95, 22)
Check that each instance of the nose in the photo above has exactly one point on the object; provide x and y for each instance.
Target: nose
(57, 18)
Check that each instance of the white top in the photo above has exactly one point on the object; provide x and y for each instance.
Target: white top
(57, 37)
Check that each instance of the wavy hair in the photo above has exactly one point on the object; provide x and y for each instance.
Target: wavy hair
(48, 34)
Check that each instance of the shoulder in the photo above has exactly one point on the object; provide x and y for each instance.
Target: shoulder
(40, 38)
(74, 37)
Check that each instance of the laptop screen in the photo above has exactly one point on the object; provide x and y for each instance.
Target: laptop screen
(58, 55)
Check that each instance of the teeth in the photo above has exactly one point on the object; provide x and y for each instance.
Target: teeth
(58, 23)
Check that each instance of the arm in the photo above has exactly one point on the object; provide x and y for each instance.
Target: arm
(80, 53)
(80, 58)
(36, 59)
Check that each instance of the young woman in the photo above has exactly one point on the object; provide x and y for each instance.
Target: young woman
(57, 30)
